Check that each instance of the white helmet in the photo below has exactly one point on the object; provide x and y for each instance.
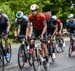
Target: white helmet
(54, 17)
(19, 14)
(34, 7)
(70, 16)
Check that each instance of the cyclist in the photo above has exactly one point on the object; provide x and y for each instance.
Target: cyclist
(4, 29)
(39, 26)
(52, 28)
(70, 23)
(20, 24)
(60, 29)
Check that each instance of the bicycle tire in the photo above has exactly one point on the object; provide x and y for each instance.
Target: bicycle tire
(59, 47)
(37, 62)
(70, 51)
(21, 51)
(1, 56)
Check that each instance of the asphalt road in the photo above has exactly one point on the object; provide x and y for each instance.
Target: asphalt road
(62, 62)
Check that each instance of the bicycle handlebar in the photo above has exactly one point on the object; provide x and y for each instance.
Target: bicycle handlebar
(2, 35)
(20, 36)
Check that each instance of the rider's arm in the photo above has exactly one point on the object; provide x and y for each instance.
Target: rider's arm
(28, 29)
(56, 28)
(16, 28)
(19, 29)
(61, 27)
(43, 18)
(7, 22)
(45, 28)
(8, 27)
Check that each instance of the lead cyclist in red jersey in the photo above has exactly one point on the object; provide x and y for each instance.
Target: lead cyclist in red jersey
(39, 26)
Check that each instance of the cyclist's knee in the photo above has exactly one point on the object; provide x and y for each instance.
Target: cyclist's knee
(6, 39)
(44, 45)
(32, 44)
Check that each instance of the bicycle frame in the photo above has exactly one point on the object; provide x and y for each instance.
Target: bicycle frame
(37, 44)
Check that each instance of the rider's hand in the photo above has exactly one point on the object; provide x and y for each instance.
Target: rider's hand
(59, 33)
(51, 37)
(26, 37)
(41, 37)
(5, 36)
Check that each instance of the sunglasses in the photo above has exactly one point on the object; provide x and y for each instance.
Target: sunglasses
(34, 10)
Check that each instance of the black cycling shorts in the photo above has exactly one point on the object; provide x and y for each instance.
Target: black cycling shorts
(3, 29)
(37, 33)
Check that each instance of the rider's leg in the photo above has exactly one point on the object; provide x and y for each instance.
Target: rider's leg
(53, 49)
(44, 46)
(6, 43)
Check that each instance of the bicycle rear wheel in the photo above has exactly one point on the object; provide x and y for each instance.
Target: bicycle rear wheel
(70, 51)
(1, 60)
(21, 56)
(59, 47)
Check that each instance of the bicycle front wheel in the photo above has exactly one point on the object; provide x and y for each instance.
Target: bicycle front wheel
(21, 57)
(1, 60)
(36, 61)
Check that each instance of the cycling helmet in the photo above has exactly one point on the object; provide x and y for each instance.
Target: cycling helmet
(54, 17)
(19, 14)
(70, 16)
(34, 7)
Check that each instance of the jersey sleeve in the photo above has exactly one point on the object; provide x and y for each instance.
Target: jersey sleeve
(29, 19)
(43, 17)
(6, 18)
(58, 22)
(25, 18)
(16, 24)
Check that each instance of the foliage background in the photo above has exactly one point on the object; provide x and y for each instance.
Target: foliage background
(61, 8)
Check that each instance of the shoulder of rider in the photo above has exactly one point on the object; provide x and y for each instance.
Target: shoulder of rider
(6, 17)
(25, 17)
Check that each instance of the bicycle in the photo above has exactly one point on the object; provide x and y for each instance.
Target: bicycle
(38, 54)
(23, 53)
(49, 45)
(59, 45)
(1, 60)
(3, 52)
(71, 45)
